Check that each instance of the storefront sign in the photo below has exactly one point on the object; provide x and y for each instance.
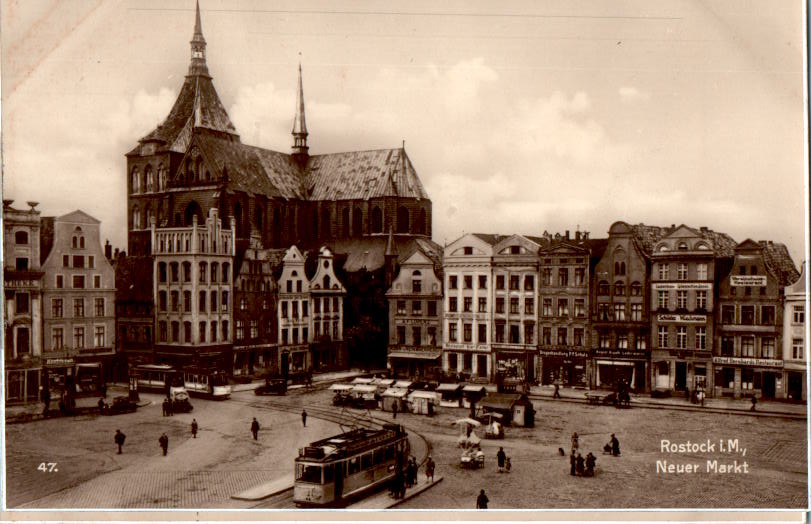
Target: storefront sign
(744, 361)
(682, 285)
(563, 353)
(22, 283)
(665, 317)
(620, 353)
(748, 280)
(456, 345)
(417, 322)
(59, 362)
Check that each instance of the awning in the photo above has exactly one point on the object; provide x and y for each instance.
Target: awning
(474, 388)
(422, 355)
(500, 401)
(362, 380)
(395, 392)
(341, 387)
(405, 384)
(431, 395)
(614, 363)
(383, 382)
(448, 387)
(364, 388)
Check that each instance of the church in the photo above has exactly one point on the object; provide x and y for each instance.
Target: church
(363, 205)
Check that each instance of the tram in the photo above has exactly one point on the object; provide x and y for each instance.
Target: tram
(332, 471)
(208, 384)
(164, 379)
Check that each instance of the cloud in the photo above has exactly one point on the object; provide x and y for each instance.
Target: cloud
(629, 94)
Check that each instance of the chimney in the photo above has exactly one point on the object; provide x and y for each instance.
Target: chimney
(108, 250)
(704, 229)
(567, 234)
(577, 235)
(585, 235)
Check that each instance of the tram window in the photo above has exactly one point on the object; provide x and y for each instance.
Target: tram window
(308, 473)
(354, 465)
(378, 458)
(328, 469)
(389, 453)
(366, 461)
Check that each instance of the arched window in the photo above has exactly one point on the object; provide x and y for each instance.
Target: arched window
(619, 288)
(192, 210)
(226, 272)
(238, 218)
(74, 242)
(135, 181)
(21, 237)
(162, 178)
(147, 216)
(602, 288)
(150, 179)
(357, 222)
(345, 222)
(422, 223)
(619, 268)
(175, 270)
(186, 271)
(636, 289)
(377, 220)
(326, 222)
(162, 272)
(402, 220)
(277, 227)
(136, 218)
(203, 276)
(198, 169)
(81, 242)
(215, 269)
(326, 281)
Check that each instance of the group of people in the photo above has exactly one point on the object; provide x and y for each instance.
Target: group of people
(584, 466)
(168, 407)
(406, 477)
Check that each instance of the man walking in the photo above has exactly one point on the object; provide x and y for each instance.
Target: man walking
(482, 500)
(501, 457)
(304, 417)
(615, 446)
(430, 465)
(194, 428)
(557, 390)
(164, 443)
(754, 403)
(394, 409)
(255, 429)
(165, 406)
(572, 463)
(46, 401)
(119, 439)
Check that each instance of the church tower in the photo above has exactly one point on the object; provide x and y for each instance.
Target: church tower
(198, 49)
(300, 126)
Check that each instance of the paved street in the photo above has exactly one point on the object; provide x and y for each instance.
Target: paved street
(224, 460)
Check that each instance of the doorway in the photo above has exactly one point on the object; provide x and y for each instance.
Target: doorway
(795, 386)
(681, 376)
(768, 385)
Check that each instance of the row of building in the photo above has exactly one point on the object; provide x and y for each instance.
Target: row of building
(659, 308)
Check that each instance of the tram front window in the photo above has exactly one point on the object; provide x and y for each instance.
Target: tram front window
(308, 473)
(219, 379)
(175, 380)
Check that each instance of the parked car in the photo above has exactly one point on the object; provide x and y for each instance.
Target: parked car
(272, 386)
(120, 405)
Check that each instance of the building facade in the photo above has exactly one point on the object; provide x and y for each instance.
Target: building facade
(294, 312)
(193, 290)
(794, 340)
(23, 296)
(78, 294)
(327, 294)
(415, 319)
(135, 310)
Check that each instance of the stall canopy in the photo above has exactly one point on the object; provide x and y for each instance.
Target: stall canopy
(341, 387)
(449, 387)
(474, 388)
(362, 380)
(500, 402)
(424, 394)
(405, 384)
(395, 392)
(383, 382)
(364, 388)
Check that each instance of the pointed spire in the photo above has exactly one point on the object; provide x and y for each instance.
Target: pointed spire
(299, 122)
(198, 47)
(198, 26)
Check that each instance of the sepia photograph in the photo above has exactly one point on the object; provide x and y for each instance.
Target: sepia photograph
(412, 258)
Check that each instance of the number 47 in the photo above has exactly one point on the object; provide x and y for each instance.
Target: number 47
(47, 467)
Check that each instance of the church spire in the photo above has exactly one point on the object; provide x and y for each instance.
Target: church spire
(299, 123)
(198, 48)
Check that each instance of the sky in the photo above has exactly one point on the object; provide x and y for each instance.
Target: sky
(520, 117)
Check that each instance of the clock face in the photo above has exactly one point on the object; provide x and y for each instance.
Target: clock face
(197, 54)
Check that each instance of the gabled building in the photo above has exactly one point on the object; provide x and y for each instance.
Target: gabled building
(23, 295)
(749, 321)
(794, 340)
(327, 294)
(415, 318)
(294, 312)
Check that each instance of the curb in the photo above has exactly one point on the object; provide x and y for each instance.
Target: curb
(414, 493)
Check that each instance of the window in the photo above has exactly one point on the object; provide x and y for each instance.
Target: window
(224, 304)
(481, 329)
(186, 271)
(482, 304)
(579, 276)
(65, 260)
(727, 346)
(664, 297)
(294, 308)
(701, 337)
(452, 306)
(547, 307)
(467, 304)
(529, 333)
(578, 336)
(619, 289)
(78, 307)
(514, 280)
(98, 336)
(175, 270)
(767, 315)
(468, 250)
(57, 339)
(226, 275)
(253, 325)
(529, 282)
(662, 338)
(747, 346)
(605, 340)
(798, 312)
(619, 312)
(175, 332)
(162, 272)
(529, 307)
(401, 333)
(514, 305)
(636, 312)
(701, 271)
(175, 301)
(579, 307)
(416, 285)
(99, 307)
(401, 307)
(22, 264)
(22, 302)
(515, 334)
(60, 281)
(78, 281)
(663, 271)
(96, 281)
(467, 332)
(161, 300)
(482, 281)
(243, 304)
(452, 331)
(748, 315)
(636, 289)
(619, 268)
(602, 311)
(681, 337)
(416, 335)
(500, 333)
(547, 277)
(499, 281)
(622, 341)
(56, 307)
(187, 332)
(640, 342)
(163, 331)
(187, 302)
(452, 282)
(767, 347)
(701, 299)
(201, 302)
(468, 281)
(500, 305)
(203, 270)
(91, 262)
(797, 349)
(416, 307)
(563, 277)
(681, 299)
(727, 314)
(602, 288)
(682, 271)
(21, 237)
(562, 336)
(78, 337)
(563, 307)
(215, 268)
(547, 336)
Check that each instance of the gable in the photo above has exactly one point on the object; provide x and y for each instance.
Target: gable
(526, 246)
(78, 217)
(472, 241)
(417, 258)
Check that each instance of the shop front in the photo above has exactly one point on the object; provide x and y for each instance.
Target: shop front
(742, 377)
(615, 366)
(328, 355)
(681, 371)
(512, 365)
(467, 361)
(298, 357)
(23, 383)
(794, 382)
(415, 362)
(565, 366)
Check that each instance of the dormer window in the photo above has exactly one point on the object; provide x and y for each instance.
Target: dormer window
(468, 251)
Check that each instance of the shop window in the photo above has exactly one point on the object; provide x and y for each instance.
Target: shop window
(747, 379)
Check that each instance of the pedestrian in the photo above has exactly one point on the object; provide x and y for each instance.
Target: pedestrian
(581, 465)
(119, 439)
(575, 441)
(46, 401)
(501, 459)
(410, 473)
(508, 465)
(171, 407)
(101, 406)
(482, 500)
(165, 406)
(430, 465)
(615, 446)
(255, 428)
(194, 428)
(304, 417)
(754, 403)
(164, 443)
(394, 409)
(557, 391)
(572, 463)
(591, 461)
